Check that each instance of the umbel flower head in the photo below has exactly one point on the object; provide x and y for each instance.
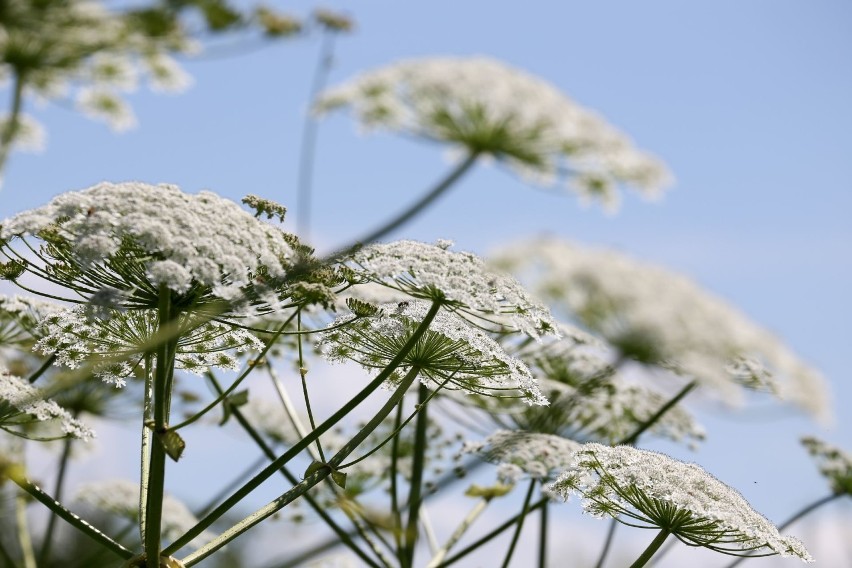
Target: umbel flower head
(488, 108)
(650, 490)
(661, 318)
(116, 245)
(116, 342)
(834, 464)
(460, 280)
(20, 317)
(22, 405)
(451, 352)
(524, 454)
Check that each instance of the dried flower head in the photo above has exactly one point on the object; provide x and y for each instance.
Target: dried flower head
(685, 330)
(834, 464)
(22, 405)
(524, 454)
(489, 108)
(451, 352)
(647, 489)
(460, 280)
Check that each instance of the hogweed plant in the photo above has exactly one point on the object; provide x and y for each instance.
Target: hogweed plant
(146, 291)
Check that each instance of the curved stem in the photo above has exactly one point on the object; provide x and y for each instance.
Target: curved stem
(651, 550)
(631, 439)
(7, 137)
(454, 175)
(610, 534)
(517, 535)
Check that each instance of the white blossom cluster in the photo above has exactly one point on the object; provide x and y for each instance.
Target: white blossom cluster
(460, 279)
(834, 464)
(22, 404)
(524, 454)
(82, 49)
(179, 240)
(110, 342)
(20, 316)
(121, 497)
(661, 492)
(451, 351)
(485, 106)
(663, 318)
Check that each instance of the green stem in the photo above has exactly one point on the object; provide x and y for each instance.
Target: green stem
(652, 549)
(542, 537)
(8, 135)
(23, 531)
(309, 481)
(631, 439)
(145, 447)
(443, 185)
(160, 402)
(517, 535)
(801, 513)
(394, 488)
(44, 553)
(273, 467)
(44, 367)
(411, 530)
(267, 451)
(72, 519)
(610, 534)
(459, 532)
(303, 371)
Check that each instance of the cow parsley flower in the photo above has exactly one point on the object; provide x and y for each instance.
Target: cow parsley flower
(489, 108)
(834, 464)
(647, 489)
(20, 317)
(21, 404)
(524, 454)
(460, 280)
(118, 243)
(686, 329)
(121, 497)
(450, 352)
(115, 344)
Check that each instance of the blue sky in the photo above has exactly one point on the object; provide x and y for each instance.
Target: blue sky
(748, 103)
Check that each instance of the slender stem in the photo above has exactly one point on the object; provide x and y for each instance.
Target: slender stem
(309, 137)
(72, 519)
(610, 534)
(798, 515)
(23, 530)
(7, 137)
(273, 467)
(394, 488)
(309, 481)
(290, 410)
(145, 446)
(542, 536)
(44, 553)
(517, 535)
(428, 529)
(631, 439)
(40, 371)
(493, 534)
(652, 548)
(303, 371)
(411, 531)
(457, 172)
(228, 489)
(458, 533)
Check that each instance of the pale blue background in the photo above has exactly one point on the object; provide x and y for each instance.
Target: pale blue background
(748, 102)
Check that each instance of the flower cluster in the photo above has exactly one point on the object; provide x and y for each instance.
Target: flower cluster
(451, 352)
(116, 244)
(475, 103)
(21, 404)
(834, 464)
(685, 329)
(518, 454)
(460, 280)
(20, 317)
(656, 491)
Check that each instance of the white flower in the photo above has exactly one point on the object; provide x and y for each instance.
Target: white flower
(490, 108)
(136, 236)
(520, 454)
(460, 279)
(651, 490)
(659, 317)
(21, 404)
(20, 316)
(104, 104)
(121, 497)
(834, 464)
(451, 350)
(30, 135)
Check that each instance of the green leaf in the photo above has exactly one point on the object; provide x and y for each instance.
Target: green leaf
(314, 467)
(172, 443)
(339, 479)
(231, 402)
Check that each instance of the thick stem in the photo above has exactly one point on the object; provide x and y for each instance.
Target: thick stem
(44, 553)
(273, 467)
(411, 529)
(517, 535)
(631, 439)
(7, 137)
(610, 534)
(454, 175)
(651, 550)
(145, 447)
(309, 481)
